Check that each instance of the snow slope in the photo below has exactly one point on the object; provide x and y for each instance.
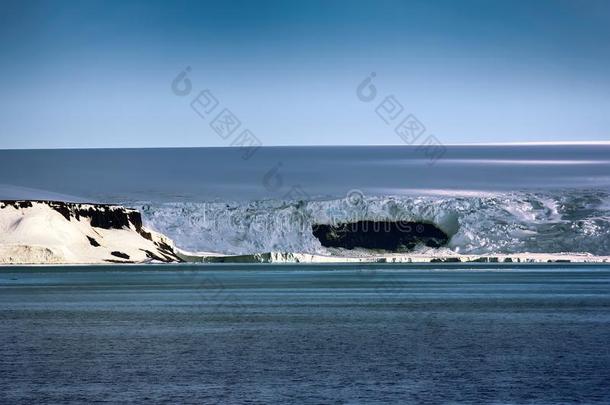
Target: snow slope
(38, 232)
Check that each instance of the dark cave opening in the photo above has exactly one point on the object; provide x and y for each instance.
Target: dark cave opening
(395, 236)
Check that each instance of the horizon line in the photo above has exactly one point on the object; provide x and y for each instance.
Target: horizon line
(533, 143)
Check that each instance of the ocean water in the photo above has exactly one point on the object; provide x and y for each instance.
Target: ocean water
(319, 334)
(488, 199)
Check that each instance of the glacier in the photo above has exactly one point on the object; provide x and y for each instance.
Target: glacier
(501, 223)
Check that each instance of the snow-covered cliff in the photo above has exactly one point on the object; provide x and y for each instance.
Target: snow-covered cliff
(61, 232)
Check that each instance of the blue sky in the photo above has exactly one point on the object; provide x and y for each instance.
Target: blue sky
(99, 74)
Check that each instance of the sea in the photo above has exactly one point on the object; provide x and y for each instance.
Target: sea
(306, 334)
(497, 333)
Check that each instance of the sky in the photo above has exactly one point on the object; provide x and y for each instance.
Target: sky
(101, 74)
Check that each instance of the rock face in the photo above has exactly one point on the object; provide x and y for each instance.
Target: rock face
(62, 232)
(393, 236)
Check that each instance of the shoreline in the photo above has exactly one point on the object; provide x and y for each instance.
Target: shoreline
(278, 258)
(304, 258)
(179, 268)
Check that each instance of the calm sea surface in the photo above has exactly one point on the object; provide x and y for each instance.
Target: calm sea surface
(305, 334)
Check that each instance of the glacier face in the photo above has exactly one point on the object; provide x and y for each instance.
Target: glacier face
(544, 222)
